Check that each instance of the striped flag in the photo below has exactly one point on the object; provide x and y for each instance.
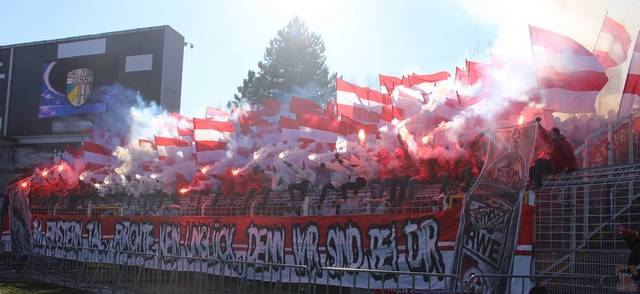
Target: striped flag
(631, 94)
(144, 143)
(217, 114)
(388, 83)
(211, 139)
(318, 128)
(569, 76)
(184, 126)
(96, 156)
(613, 43)
(173, 147)
(473, 83)
(360, 103)
(301, 105)
(289, 129)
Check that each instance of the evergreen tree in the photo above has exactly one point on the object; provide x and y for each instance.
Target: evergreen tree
(294, 62)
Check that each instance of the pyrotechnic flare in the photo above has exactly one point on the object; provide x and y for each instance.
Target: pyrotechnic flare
(361, 136)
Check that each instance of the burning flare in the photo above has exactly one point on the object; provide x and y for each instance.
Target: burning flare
(362, 136)
(521, 120)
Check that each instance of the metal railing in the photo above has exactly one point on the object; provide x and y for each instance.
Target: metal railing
(427, 200)
(615, 144)
(576, 217)
(524, 283)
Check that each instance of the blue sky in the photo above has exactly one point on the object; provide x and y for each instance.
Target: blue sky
(363, 38)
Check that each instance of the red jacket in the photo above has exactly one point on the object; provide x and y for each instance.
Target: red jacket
(561, 152)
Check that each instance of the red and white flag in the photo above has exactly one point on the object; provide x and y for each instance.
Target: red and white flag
(144, 143)
(96, 156)
(613, 43)
(301, 105)
(569, 75)
(173, 147)
(631, 94)
(318, 128)
(217, 114)
(474, 83)
(388, 83)
(426, 80)
(211, 139)
(184, 126)
(360, 103)
(289, 129)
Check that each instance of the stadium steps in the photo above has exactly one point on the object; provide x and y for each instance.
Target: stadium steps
(607, 194)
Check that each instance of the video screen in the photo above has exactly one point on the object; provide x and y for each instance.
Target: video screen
(70, 86)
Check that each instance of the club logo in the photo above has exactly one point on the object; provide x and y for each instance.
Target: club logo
(79, 86)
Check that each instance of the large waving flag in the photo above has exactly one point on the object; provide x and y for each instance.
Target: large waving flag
(288, 129)
(96, 156)
(173, 147)
(569, 76)
(388, 83)
(613, 43)
(301, 105)
(408, 93)
(318, 128)
(211, 139)
(184, 126)
(631, 94)
(360, 103)
(217, 114)
(473, 83)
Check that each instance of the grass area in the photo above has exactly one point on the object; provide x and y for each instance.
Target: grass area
(33, 287)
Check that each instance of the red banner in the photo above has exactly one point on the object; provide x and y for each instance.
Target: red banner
(420, 243)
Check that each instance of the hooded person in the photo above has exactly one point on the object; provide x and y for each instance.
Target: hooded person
(561, 156)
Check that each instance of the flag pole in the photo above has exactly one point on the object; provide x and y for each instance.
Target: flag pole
(533, 58)
(600, 31)
(635, 47)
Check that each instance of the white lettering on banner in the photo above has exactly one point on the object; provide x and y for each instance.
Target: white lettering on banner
(305, 248)
(422, 251)
(211, 246)
(266, 245)
(383, 250)
(344, 248)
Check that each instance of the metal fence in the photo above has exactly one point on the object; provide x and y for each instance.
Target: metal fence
(427, 200)
(100, 270)
(576, 217)
(615, 144)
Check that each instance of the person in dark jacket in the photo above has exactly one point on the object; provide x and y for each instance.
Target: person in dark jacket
(561, 156)
(632, 238)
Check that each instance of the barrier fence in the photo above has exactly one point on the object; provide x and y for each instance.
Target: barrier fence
(135, 272)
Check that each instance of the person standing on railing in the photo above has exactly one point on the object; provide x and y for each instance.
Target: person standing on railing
(305, 178)
(561, 156)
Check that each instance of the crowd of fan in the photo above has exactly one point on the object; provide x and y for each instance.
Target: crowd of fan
(398, 175)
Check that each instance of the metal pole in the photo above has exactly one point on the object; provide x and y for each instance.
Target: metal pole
(630, 140)
(8, 96)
